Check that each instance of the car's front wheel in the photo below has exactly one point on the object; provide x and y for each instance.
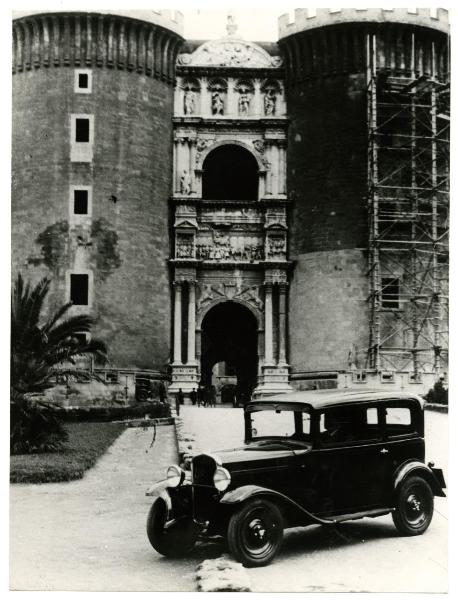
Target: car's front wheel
(255, 533)
(414, 506)
(170, 538)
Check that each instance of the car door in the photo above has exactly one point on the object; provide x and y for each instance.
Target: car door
(342, 471)
(402, 423)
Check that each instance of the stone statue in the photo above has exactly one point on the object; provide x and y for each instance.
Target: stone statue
(185, 183)
(217, 103)
(270, 102)
(244, 103)
(189, 102)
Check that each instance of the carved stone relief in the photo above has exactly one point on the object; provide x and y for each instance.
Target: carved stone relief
(201, 145)
(222, 246)
(276, 217)
(185, 245)
(230, 291)
(276, 276)
(189, 102)
(259, 146)
(230, 53)
(270, 102)
(276, 247)
(229, 216)
(185, 183)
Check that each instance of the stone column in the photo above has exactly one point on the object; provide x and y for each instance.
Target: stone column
(275, 168)
(192, 163)
(282, 323)
(176, 175)
(270, 168)
(204, 98)
(268, 324)
(231, 99)
(192, 323)
(257, 99)
(281, 169)
(177, 324)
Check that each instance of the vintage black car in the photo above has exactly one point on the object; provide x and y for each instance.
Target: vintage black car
(309, 458)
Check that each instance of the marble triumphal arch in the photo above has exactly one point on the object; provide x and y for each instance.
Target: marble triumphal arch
(230, 264)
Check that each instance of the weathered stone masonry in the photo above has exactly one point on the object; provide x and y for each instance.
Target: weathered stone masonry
(124, 242)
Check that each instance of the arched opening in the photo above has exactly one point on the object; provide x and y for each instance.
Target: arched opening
(230, 172)
(229, 350)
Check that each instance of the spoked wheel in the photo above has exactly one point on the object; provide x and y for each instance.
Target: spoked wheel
(255, 533)
(170, 538)
(415, 507)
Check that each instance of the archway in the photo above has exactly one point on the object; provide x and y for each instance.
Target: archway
(229, 336)
(230, 172)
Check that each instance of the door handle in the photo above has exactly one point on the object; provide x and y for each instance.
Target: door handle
(384, 451)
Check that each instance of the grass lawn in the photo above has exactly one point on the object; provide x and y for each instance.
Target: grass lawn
(86, 443)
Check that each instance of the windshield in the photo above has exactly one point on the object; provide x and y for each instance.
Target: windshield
(278, 422)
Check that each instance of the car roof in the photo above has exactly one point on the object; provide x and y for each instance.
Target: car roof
(318, 399)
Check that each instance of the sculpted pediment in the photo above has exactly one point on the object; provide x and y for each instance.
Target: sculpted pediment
(230, 53)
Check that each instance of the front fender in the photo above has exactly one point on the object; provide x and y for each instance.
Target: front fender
(245, 492)
(434, 477)
(159, 490)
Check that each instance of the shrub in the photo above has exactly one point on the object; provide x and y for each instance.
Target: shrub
(438, 394)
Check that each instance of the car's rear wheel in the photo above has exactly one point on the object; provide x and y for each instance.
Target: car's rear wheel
(255, 533)
(414, 506)
(170, 538)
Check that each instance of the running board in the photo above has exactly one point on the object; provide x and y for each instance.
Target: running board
(378, 512)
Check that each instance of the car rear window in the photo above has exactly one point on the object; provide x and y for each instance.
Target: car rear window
(399, 420)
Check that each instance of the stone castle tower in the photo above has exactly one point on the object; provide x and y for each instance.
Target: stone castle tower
(256, 216)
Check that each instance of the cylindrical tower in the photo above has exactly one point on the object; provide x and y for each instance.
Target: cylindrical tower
(92, 169)
(330, 58)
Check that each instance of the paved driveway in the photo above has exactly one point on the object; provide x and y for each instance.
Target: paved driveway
(90, 534)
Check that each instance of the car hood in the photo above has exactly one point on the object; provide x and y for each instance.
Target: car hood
(257, 453)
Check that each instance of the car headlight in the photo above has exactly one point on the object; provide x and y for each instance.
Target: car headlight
(221, 479)
(175, 476)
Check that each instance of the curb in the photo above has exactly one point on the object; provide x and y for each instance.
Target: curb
(442, 408)
(222, 574)
(147, 422)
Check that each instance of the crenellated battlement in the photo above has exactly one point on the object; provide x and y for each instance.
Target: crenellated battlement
(143, 41)
(306, 19)
(169, 19)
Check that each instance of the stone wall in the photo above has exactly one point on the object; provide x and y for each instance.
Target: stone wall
(124, 244)
(328, 311)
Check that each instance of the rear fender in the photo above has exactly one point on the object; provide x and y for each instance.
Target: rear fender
(246, 492)
(434, 477)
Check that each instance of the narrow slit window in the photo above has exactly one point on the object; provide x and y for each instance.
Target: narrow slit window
(82, 130)
(80, 202)
(79, 289)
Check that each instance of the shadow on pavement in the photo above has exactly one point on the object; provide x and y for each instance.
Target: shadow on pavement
(317, 538)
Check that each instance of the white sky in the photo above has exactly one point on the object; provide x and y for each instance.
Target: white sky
(253, 24)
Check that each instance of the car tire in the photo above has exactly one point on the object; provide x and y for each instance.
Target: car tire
(414, 506)
(255, 533)
(173, 538)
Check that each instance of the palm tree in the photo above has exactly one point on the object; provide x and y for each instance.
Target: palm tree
(41, 349)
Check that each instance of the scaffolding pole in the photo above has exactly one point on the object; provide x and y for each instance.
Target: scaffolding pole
(408, 155)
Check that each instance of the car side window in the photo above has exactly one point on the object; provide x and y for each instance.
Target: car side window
(398, 420)
(349, 425)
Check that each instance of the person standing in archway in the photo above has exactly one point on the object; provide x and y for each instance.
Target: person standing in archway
(213, 396)
(179, 399)
(193, 396)
(200, 396)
